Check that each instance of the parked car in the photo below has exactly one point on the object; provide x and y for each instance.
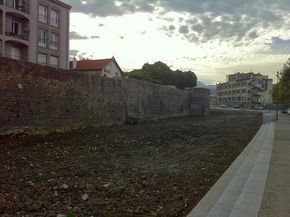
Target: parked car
(258, 107)
(286, 111)
(237, 106)
(223, 106)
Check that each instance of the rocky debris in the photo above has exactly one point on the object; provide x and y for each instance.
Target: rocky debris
(106, 185)
(85, 197)
(64, 186)
(153, 169)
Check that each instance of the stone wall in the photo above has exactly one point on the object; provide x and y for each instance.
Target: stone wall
(38, 99)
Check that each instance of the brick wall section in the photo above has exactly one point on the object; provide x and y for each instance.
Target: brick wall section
(38, 99)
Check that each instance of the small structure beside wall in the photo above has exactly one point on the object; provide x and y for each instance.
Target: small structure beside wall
(101, 67)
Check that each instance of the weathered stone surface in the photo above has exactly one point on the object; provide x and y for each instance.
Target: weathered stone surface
(37, 99)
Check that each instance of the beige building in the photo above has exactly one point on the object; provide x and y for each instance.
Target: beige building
(245, 89)
(35, 31)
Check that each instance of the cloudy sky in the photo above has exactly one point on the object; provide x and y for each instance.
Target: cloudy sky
(210, 37)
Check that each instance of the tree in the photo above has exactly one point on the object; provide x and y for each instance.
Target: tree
(281, 91)
(160, 73)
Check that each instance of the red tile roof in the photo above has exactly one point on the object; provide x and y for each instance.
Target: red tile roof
(84, 65)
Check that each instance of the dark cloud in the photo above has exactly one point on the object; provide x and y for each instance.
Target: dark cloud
(233, 21)
(101, 24)
(95, 37)
(183, 29)
(76, 36)
(121, 37)
(253, 34)
(169, 30)
(279, 46)
(171, 27)
(111, 7)
(73, 52)
(217, 7)
(237, 29)
(237, 21)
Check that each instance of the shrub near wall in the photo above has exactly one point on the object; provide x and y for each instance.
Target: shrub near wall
(37, 99)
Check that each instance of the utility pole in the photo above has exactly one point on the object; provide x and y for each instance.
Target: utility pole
(277, 104)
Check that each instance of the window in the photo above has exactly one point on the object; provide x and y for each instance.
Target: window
(42, 58)
(54, 18)
(17, 4)
(53, 60)
(15, 53)
(42, 35)
(54, 41)
(42, 14)
(16, 28)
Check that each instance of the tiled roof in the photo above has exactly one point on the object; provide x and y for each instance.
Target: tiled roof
(84, 65)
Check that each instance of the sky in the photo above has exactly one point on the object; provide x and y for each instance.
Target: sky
(212, 38)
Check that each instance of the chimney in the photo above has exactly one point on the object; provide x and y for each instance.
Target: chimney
(74, 65)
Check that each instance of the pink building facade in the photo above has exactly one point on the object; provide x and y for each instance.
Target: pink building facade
(35, 31)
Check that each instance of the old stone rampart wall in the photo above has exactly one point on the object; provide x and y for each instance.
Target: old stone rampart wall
(37, 99)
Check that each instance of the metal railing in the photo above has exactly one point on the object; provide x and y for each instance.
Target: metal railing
(20, 58)
(23, 36)
(24, 7)
(255, 92)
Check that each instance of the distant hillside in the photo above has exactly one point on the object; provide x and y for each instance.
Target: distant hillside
(200, 84)
(160, 73)
(212, 88)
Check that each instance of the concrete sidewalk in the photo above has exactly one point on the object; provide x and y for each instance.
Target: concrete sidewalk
(258, 182)
(276, 198)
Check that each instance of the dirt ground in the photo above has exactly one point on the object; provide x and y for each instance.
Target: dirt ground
(153, 169)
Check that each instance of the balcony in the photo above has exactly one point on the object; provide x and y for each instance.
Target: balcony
(16, 50)
(24, 36)
(21, 58)
(20, 5)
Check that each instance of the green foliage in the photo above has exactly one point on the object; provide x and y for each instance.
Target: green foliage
(281, 91)
(69, 214)
(160, 73)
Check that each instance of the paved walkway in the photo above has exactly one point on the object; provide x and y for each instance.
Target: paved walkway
(276, 199)
(257, 183)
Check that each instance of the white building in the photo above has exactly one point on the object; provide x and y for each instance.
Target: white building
(102, 67)
(245, 89)
(35, 31)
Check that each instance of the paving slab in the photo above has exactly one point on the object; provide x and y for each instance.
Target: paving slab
(249, 201)
(276, 198)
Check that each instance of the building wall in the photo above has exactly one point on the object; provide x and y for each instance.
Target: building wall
(33, 36)
(246, 88)
(62, 30)
(37, 99)
(92, 72)
(111, 71)
(31, 19)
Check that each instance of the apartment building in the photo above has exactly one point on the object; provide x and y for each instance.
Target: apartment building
(245, 89)
(35, 31)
